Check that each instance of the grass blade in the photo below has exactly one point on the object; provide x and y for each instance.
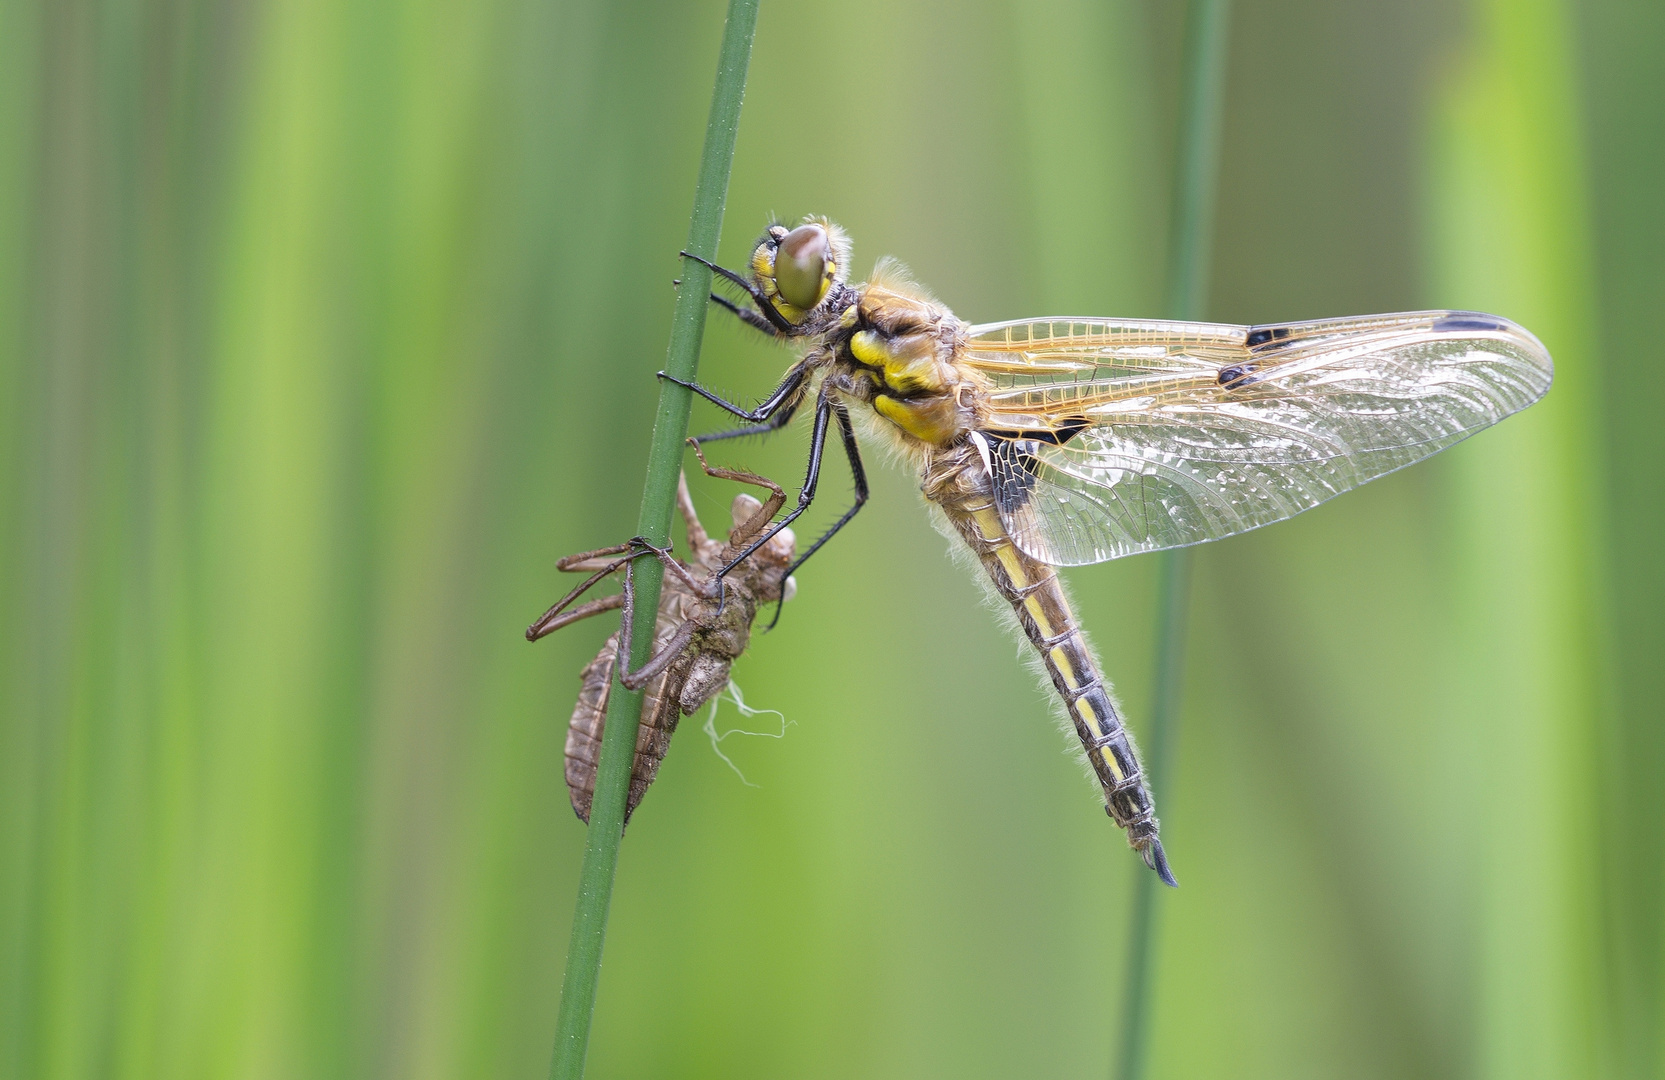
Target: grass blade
(670, 428)
(1188, 262)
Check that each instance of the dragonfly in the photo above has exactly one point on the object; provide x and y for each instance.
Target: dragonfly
(704, 625)
(1057, 441)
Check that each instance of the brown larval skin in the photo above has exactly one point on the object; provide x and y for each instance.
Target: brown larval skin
(699, 635)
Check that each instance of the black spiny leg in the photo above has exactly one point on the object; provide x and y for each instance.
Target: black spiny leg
(817, 447)
(773, 424)
(749, 317)
(776, 319)
(786, 398)
(746, 315)
(847, 432)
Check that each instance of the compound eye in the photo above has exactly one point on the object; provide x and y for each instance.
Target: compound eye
(801, 266)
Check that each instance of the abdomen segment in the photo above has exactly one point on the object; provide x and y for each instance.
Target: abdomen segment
(589, 720)
(956, 482)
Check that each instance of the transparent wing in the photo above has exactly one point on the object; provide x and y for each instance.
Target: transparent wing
(1108, 438)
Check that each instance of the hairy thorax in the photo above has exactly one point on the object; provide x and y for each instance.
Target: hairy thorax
(897, 353)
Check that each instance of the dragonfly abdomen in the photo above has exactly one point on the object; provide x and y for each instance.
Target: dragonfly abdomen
(956, 481)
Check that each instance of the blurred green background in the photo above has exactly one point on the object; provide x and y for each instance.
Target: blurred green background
(326, 327)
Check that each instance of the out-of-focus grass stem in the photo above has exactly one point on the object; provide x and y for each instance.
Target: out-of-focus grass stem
(670, 429)
(1195, 173)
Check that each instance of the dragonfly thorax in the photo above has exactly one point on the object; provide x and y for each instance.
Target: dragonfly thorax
(901, 357)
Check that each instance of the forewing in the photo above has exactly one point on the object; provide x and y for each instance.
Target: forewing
(1111, 438)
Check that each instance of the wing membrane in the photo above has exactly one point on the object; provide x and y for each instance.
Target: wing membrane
(1109, 438)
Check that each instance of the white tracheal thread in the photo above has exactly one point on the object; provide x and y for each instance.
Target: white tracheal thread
(710, 729)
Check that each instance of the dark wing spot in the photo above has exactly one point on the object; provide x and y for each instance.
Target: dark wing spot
(1068, 430)
(1456, 324)
(1058, 436)
(1265, 335)
(1237, 375)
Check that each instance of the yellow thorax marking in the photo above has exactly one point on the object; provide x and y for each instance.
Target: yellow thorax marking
(915, 380)
(930, 420)
(909, 363)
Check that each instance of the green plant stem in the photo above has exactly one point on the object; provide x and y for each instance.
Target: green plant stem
(1195, 174)
(1172, 591)
(670, 429)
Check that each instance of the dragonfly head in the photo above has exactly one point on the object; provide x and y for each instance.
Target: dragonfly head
(797, 268)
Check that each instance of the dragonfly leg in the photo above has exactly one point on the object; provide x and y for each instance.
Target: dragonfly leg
(785, 399)
(847, 432)
(585, 560)
(746, 315)
(641, 545)
(548, 625)
(775, 318)
(656, 665)
(635, 680)
(551, 620)
(778, 421)
(777, 497)
(699, 541)
(824, 409)
(749, 317)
